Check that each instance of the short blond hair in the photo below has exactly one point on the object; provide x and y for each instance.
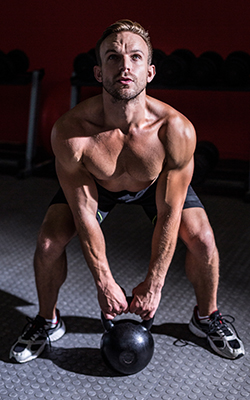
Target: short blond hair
(125, 25)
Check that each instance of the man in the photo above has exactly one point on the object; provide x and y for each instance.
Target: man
(120, 147)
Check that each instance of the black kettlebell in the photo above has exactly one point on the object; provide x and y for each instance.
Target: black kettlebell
(127, 345)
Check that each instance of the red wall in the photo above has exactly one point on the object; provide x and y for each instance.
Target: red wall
(52, 33)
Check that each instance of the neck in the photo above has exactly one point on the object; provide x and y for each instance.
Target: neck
(124, 113)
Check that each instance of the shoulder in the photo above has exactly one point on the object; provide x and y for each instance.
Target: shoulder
(176, 133)
(171, 118)
(75, 121)
(71, 132)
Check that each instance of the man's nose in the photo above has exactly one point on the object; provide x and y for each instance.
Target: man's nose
(125, 64)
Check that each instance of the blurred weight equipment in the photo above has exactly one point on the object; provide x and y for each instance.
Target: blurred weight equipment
(83, 65)
(14, 63)
(187, 57)
(158, 60)
(207, 68)
(177, 66)
(19, 60)
(237, 68)
(6, 67)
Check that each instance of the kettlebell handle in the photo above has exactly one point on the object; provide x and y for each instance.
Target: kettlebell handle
(108, 323)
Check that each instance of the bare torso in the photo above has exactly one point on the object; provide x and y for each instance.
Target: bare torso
(120, 160)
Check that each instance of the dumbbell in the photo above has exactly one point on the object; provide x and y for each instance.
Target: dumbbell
(207, 68)
(173, 69)
(14, 63)
(83, 65)
(181, 61)
(237, 68)
(6, 67)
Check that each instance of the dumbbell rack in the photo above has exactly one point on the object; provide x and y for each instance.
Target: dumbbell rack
(32, 78)
(77, 84)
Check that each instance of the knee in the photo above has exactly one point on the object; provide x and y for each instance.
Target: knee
(48, 246)
(202, 242)
(51, 243)
(56, 231)
(205, 240)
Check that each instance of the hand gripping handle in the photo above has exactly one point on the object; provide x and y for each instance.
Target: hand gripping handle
(108, 323)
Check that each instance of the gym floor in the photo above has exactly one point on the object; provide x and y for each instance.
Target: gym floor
(183, 366)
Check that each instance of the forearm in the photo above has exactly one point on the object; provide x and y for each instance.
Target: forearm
(147, 294)
(163, 246)
(94, 250)
(110, 296)
(81, 193)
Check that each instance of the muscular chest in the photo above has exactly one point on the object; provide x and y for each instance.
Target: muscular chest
(138, 154)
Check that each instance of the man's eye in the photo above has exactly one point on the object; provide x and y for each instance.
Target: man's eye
(112, 57)
(136, 57)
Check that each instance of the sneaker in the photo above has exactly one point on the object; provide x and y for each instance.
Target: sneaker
(223, 340)
(34, 338)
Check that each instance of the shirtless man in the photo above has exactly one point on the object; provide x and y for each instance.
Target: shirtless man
(124, 146)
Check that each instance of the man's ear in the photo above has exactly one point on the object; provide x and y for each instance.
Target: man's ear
(151, 73)
(98, 73)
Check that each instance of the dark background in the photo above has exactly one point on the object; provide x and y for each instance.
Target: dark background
(52, 33)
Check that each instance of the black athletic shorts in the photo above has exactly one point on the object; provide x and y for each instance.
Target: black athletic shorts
(145, 198)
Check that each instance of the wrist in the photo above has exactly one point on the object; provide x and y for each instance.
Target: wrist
(104, 279)
(155, 282)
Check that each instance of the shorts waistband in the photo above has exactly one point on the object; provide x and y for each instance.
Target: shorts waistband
(125, 196)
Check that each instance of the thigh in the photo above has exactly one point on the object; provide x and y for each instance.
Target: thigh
(194, 221)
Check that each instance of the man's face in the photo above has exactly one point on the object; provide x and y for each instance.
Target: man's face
(125, 71)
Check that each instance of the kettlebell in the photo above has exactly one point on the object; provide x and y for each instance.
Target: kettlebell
(127, 346)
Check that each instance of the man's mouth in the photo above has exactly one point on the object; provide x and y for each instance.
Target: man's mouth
(125, 80)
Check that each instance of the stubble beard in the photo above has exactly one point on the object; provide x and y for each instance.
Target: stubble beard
(122, 94)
